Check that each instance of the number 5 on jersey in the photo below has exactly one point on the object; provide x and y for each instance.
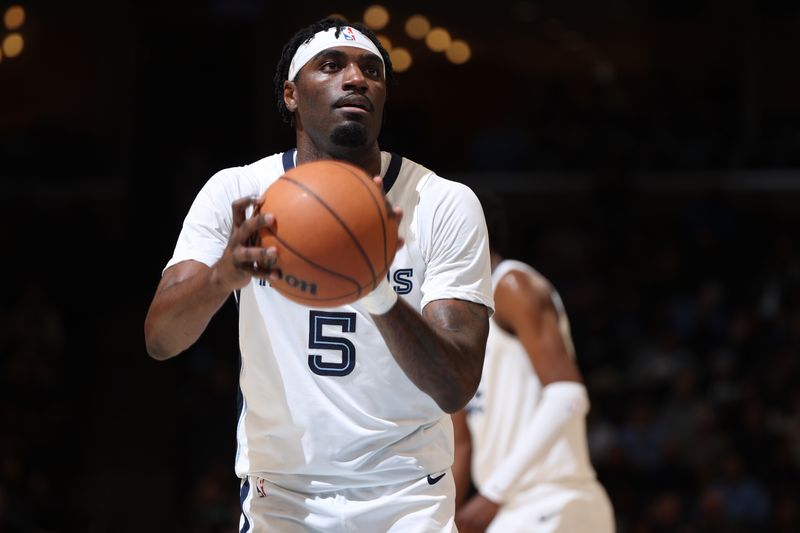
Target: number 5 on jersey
(318, 341)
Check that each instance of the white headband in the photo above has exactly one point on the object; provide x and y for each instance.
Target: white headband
(325, 39)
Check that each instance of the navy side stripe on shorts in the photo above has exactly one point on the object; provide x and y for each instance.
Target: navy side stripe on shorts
(243, 492)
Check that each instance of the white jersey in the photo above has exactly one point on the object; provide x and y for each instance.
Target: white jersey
(325, 404)
(508, 394)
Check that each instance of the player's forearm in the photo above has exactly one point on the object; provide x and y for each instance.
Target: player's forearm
(461, 475)
(442, 356)
(462, 458)
(181, 312)
(561, 403)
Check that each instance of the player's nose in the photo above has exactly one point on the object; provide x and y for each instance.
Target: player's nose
(353, 77)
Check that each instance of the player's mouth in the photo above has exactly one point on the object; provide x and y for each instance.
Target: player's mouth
(354, 103)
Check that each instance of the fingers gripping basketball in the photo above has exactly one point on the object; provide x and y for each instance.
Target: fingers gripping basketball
(335, 233)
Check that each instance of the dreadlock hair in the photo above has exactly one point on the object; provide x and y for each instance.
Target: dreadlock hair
(496, 214)
(305, 35)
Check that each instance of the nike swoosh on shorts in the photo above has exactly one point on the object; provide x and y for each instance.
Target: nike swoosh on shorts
(434, 480)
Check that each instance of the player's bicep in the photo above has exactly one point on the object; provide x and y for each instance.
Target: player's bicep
(526, 308)
(465, 323)
(170, 293)
(549, 351)
(179, 273)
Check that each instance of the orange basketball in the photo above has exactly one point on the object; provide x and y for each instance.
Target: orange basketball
(333, 231)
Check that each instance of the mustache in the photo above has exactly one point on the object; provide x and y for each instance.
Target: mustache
(356, 100)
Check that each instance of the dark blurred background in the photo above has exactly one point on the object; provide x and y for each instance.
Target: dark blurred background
(649, 152)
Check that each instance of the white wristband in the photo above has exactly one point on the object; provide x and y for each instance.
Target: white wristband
(379, 301)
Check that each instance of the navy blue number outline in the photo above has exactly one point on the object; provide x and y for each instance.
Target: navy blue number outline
(316, 340)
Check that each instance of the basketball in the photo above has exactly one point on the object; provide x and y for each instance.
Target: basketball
(334, 232)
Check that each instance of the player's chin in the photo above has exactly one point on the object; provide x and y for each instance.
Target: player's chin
(350, 135)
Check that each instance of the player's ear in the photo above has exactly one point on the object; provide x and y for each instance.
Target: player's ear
(289, 98)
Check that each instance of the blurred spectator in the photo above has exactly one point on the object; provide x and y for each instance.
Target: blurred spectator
(744, 499)
(32, 344)
(643, 437)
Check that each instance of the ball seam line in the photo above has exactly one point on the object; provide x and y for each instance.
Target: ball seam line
(317, 266)
(338, 219)
(375, 279)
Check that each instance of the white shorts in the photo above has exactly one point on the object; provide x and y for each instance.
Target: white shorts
(556, 508)
(414, 507)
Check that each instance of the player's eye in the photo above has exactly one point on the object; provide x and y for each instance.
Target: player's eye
(371, 71)
(329, 66)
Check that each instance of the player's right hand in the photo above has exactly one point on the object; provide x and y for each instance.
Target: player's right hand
(243, 258)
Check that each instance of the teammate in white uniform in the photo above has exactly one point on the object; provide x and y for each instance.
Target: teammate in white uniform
(344, 423)
(522, 439)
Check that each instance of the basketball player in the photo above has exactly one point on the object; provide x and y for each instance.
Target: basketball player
(344, 422)
(522, 439)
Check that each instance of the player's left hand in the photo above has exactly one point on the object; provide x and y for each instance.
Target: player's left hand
(476, 515)
(394, 211)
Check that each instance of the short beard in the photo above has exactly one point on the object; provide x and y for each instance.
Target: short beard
(349, 135)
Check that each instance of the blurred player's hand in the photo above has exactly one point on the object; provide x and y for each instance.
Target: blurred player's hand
(476, 515)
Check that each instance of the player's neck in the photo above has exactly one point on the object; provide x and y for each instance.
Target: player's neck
(368, 158)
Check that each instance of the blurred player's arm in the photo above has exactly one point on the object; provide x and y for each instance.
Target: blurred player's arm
(190, 292)
(529, 308)
(463, 457)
